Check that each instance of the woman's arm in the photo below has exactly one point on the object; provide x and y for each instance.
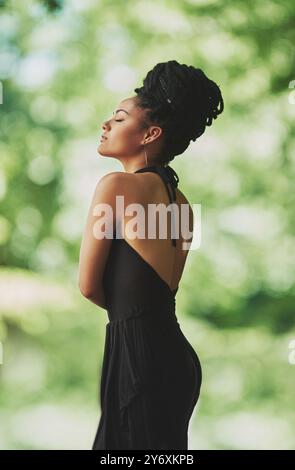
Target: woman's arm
(94, 250)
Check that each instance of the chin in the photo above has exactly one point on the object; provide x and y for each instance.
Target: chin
(101, 152)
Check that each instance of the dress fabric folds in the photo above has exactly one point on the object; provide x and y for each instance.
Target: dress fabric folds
(151, 376)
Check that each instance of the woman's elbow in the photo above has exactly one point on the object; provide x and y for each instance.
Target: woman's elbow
(86, 290)
(87, 293)
(95, 296)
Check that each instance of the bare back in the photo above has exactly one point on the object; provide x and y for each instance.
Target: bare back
(167, 260)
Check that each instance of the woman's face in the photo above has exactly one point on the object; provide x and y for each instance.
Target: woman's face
(124, 131)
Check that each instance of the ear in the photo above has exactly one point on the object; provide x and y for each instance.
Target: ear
(153, 133)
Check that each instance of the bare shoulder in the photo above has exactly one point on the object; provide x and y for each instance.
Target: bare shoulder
(112, 178)
(112, 183)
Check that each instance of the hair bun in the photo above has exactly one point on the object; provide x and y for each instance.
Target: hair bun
(183, 99)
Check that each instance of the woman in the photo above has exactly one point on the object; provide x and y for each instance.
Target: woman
(151, 376)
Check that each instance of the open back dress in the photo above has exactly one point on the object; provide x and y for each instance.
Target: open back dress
(151, 375)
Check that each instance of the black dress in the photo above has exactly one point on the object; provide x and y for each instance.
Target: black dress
(151, 375)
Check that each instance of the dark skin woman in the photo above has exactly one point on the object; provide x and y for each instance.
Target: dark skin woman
(127, 141)
(151, 376)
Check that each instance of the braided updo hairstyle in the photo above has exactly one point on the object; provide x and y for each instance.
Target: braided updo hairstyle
(180, 99)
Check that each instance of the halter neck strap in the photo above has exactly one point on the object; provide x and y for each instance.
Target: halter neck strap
(168, 175)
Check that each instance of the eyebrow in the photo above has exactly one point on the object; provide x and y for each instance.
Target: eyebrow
(117, 110)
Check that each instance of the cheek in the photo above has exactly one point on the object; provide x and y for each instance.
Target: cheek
(128, 136)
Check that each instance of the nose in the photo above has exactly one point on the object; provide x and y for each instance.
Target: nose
(105, 125)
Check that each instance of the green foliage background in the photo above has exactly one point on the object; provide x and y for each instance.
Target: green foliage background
(63, 68)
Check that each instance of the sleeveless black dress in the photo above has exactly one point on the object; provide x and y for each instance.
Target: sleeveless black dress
(151, 375)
